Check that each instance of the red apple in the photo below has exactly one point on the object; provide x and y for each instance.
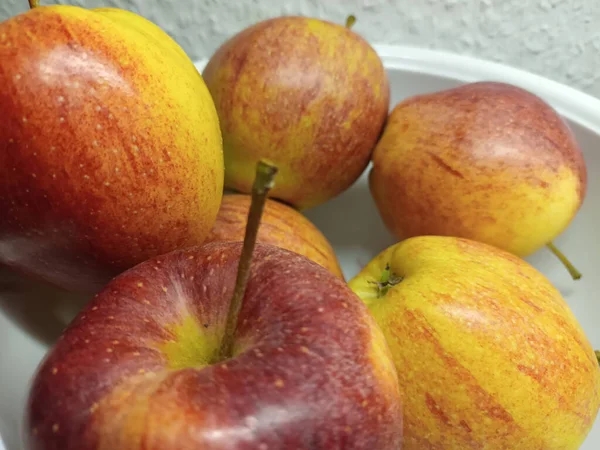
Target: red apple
(281, 225)
(139, 367)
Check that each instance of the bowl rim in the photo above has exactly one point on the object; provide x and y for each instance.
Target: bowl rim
(571, 103)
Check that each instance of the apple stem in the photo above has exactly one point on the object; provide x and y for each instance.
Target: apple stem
(263, 182)
(350, 20)
(597, 352)
(34, 3)
(575, 274)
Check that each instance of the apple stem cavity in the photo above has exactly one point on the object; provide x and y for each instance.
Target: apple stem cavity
(575, 274)
(597, 352)
(350, 20)
(263, 183)
(34, 3)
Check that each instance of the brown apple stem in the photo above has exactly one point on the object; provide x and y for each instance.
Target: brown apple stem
(597, 352)
(34, 3)
(350, 20)
(570, 267)
(263, 182)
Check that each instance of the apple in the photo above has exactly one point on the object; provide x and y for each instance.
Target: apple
(110, 147)
(486, 161)
(281, 225)
(310, 95)
(139, 367)
(487, 352)
(199, 348)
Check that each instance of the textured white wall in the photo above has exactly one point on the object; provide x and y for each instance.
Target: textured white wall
(556, 38)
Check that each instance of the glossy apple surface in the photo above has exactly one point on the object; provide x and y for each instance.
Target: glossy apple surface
(139, 368)
(488, 353)
(110, 148)
(309, 95)
(280, 225)
(485, 161)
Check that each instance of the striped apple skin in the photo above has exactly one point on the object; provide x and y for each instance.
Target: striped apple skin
(488, 353)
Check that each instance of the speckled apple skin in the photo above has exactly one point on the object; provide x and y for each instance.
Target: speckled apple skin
(311, 369)
(110, 147)
(485, 161)
(280, 225)
(310, 95)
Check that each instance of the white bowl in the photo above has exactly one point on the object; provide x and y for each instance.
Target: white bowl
(32, 315)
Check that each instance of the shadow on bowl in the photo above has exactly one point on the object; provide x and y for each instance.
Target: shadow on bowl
(353, 226)
(40, 310)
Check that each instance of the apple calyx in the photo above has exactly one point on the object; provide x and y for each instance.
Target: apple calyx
(263, 183)
(575, 274)
(350, 20)
(34, 4)
(387, 281)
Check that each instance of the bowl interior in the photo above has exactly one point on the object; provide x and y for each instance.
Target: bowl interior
(32, 315)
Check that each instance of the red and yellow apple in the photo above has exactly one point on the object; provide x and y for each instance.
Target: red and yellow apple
(486, 161)
(110, 147)
(280, 225)
(140, 367)
(309, 95)
(487, 352)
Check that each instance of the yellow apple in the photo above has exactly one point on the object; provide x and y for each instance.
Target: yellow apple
(110, 147)
(488, 353)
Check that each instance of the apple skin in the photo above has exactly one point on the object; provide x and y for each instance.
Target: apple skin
(280, 225)
(110, 148)
(136, 370)
(309, 95)
(485, 161)
(488, 353)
